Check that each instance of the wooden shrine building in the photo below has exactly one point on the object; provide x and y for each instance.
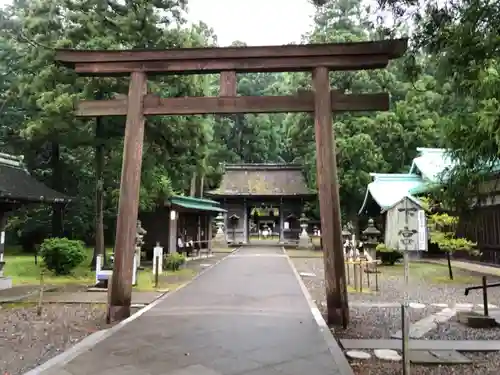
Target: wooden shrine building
(262, 197)
(19, 188)
(180, 217)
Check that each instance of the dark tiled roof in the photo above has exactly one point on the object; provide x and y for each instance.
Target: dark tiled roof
(262, 180)
(17, 184)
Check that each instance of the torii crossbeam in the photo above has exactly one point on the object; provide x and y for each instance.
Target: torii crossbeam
(318, 59)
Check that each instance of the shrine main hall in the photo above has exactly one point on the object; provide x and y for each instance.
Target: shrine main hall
(262, 197)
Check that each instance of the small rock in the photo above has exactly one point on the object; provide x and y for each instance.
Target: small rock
(358, 354)
(416, 305)
(387, 354)
(137, 305)
(307, 274)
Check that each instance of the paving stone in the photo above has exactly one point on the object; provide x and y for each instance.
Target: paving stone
(194, 370)
(437, 357)
(464, 306)
(420, 328)
(451, 356)
(358, 354)
(387, 354)
(307, 274)
(458, 345)
(422, 357)
(442, 305)
(415, 305)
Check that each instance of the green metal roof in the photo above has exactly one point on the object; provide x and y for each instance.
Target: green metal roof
(387, 189)
(431, 163)
(198, 204)
(425, 173)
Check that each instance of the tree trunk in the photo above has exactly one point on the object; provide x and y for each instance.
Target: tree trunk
(197, 182)
(450, 271)
(353, 218)
(192, 190)
(57, 209)
(99, 248)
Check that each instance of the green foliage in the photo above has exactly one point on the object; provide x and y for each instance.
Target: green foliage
(442, 233)
(451, 100)
(387, 255)
(61, 255)
(37, 99)
(174, 261)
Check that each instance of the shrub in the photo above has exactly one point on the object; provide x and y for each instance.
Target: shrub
(174, 261)
(387, 255)
(61, 255)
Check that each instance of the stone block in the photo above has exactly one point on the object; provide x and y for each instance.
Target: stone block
(437, 357)
(476, 320)
(5, 283)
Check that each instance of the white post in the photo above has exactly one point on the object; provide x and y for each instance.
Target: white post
(2, 246)
(158, 254)
(138, 250)
(98, 267)
(134, 270)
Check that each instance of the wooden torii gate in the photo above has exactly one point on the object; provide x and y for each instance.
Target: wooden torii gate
(318, 59)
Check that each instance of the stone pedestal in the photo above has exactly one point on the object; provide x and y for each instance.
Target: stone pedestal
(5, 283)
(371, 257)
(138, 251)
(220, 239)
(305, 242)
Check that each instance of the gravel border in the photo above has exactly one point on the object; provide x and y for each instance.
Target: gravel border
(484, 364)
(380, 322)
(27, 340)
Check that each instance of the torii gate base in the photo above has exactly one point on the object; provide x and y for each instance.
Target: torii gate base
(318, 59)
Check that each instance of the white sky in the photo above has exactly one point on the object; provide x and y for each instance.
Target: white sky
(255, 22)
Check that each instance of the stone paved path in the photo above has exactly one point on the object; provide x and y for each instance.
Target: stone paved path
(246, 316)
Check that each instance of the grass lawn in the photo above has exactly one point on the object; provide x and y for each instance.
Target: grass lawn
(224, 250)
(434, 273)
(295, 253)
(23, 271)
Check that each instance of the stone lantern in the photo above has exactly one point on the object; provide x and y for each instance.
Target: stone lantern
(305, 241)
(219, 222)
(139, 242)
(234, 219)
(372, 235)
(220, 237)
(303, 224)
(346, 236)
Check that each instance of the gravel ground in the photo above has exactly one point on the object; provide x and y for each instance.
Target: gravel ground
(27, 340)
(369, 321)
(453, 330)
(484, 364)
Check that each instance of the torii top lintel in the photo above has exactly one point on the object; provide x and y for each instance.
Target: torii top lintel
(287, 58)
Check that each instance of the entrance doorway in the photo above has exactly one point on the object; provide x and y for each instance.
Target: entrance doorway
(264, 224)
